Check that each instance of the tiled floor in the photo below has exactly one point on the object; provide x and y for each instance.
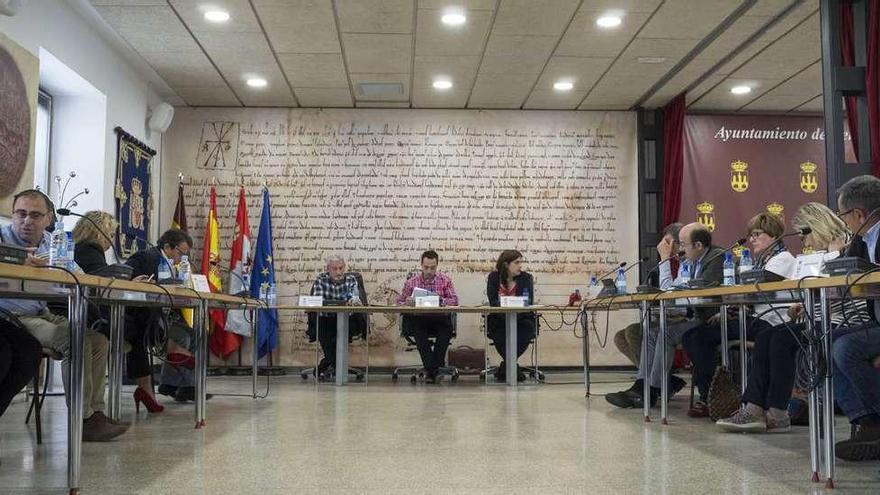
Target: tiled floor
(400, 438)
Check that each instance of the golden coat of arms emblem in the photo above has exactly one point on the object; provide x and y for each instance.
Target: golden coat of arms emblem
(706, 216)
(775, 209)
(739, 176)
(809, 177)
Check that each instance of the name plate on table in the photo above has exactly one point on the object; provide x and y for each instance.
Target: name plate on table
(311, 301)
(200, 283)
(427, 301)
(513, 302)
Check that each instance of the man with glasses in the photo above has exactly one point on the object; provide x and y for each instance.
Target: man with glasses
(701, 261)
(177, 379)
(32, 213)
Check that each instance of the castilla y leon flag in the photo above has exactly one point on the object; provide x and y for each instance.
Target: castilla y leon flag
(240, 267)
(221, 341)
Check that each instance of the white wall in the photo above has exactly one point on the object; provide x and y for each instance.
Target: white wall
(59, 28)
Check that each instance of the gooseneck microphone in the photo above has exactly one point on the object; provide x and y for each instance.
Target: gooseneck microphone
(637, 263)
(65, 212)
(618, 267)
(778, 240)
(739, 242)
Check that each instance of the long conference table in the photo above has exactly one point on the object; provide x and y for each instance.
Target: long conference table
(811, 291)
(78, 291)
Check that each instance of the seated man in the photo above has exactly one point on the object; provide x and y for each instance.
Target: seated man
(32, 212)
(701, 343)
(629, 340)
(696, 241)
(333, 285)
(177, 379)
(424, 326)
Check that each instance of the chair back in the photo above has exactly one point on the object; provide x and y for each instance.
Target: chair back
(403, 328)
(359, 323)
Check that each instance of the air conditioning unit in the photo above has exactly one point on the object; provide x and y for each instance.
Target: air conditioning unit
(11, 7)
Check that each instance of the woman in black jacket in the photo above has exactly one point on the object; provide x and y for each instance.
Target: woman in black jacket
(92, 240)
(508, 279)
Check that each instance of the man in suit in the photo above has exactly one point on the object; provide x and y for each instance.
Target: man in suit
(856, 380)
(701, 261)
(176, 379)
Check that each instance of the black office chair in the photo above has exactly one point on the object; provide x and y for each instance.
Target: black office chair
(358, 328)
(418, 371)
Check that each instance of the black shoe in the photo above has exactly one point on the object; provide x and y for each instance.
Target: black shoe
(520, 375)
(501, 372)
(625, 399)
(675, 385)
(328, 374)
(169, 390)
(188, 394)
(431, 377)
(863, 446)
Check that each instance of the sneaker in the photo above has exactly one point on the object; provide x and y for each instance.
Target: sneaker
(863, 446)
(743, 421)
(778, 425)
(625, 399)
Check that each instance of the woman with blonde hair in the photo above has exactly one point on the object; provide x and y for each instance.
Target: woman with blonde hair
(92, 236)
(766, 399)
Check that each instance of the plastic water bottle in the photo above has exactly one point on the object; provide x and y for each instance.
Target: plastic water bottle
(355, 298)
(184, 271)
(271, 295)
(684, 274)
(729, 270)
(621, 281)
(70, 247)
(58, 246)
(745, 262)
(164, 268)
(594, 289)
(525, 296)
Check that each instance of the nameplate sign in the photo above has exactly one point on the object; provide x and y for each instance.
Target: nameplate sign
(200, 282)
(428, 302)
(311, 301)
(513, 302)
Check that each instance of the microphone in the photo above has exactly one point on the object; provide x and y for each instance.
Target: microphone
(116, 270)
(637, 263)
(739, 242)
(621, 265)
(778, 240)
(650, 288)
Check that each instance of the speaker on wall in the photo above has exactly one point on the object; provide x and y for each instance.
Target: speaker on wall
(11, 7)
(160, 117)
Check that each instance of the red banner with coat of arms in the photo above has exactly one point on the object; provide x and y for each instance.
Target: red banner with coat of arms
(736, 166)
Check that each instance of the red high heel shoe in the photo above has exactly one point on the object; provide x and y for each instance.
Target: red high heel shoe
(178, 359)
(141, 396)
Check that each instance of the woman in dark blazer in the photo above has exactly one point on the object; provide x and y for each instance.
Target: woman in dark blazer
(509, 279)
(92, 241)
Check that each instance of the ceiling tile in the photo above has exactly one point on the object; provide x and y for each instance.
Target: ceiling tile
(554, 100)
(236, 49)
(381, 104)
(727, 41)
(434, 38)
(375, 16)
(241, 15)
(314, 70)
(428, 97)
(618, 91)
(679, 82)
(494, 90)
(585, 39)
(318, 97)
(512, 64)
(774, 103)
(583, 72)
(521, 46)
(535, 17)
(184, 69)
(720, 98)
(468, 5)
(768, 8)
(816, 105)
(276, 94)
(686, 19)
(627, 6)
(211, 96)
(149, 29)
(378, 53)
(460, 70)
(299, 26)
(402, 79)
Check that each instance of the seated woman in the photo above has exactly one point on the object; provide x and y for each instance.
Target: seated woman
(92, 237)
(508, 279)
(772, 377)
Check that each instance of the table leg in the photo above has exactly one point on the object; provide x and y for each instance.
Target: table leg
(828, 393)
(341, 348)
(813, 400)
(664, 384)
(117, 324)
(646, 328)
(586, 353)
(510, 356)
(725, 356)
(743, 358)
(199, 335)
(77, 319)
(256, 350)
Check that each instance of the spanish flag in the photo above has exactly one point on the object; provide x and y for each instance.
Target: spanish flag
(222, 343)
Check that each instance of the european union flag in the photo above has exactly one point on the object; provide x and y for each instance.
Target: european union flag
(263, 277)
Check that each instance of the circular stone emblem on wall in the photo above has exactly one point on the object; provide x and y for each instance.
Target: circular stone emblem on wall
(15, 126)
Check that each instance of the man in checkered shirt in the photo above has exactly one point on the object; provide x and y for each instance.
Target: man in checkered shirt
(424, 326)
(333, 285)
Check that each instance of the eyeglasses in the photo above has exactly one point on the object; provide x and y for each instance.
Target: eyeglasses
(755, 234)
(33, 215)
(181, 251)
(845, 213)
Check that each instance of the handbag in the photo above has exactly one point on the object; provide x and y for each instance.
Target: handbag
(725, 396)
(467, 357)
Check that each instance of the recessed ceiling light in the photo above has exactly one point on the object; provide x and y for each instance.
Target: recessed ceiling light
(563, 85)
(217, 16)
(740, 90)
(453, 19)
(609, 21)
(256, 82)
(442, 84)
